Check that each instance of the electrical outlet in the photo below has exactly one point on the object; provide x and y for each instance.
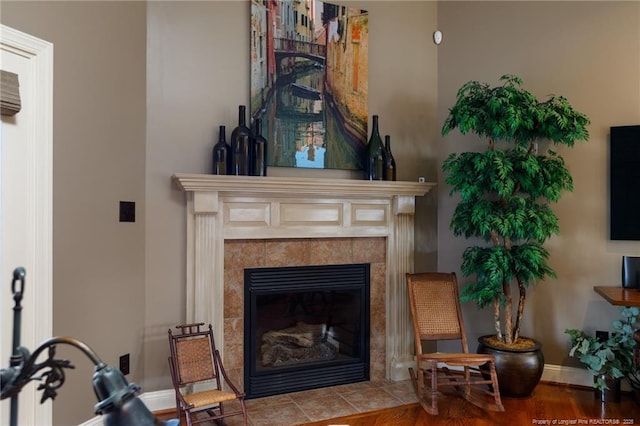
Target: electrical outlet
(124, 364)
(601, 336)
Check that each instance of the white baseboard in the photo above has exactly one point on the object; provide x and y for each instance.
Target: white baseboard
(567, 375)
(159, 400)
(560, 374)
(96, 421)
(572, 376)
(165, 399)
(155, 401)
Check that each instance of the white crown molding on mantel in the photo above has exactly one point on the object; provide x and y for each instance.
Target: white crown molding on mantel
(296, 187)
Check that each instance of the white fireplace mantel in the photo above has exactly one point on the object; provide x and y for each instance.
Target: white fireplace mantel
(245, 207)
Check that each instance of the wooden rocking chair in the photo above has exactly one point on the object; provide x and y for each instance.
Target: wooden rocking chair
(194, 360)
(436, 314)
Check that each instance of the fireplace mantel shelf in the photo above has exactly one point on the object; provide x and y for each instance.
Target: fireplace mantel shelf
(223, 208)
(340, 188)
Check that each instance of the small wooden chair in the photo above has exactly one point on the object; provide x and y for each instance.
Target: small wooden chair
(436, 314)
(195, 360)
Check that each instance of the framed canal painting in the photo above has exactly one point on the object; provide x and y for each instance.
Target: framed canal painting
(309, 82)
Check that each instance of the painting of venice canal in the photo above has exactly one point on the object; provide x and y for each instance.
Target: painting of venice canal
(309, 78)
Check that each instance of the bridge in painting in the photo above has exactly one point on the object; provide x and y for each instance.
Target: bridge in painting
(285, 47)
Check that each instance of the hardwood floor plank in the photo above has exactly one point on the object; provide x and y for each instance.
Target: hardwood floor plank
(559, 403)
(550, 403)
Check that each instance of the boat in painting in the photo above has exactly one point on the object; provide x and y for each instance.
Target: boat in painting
(303, 91)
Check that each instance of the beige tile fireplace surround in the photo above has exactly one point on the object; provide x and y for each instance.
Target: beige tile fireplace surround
(238, 222)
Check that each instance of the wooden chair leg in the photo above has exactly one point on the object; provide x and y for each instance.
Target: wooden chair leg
(484, 401)
(496, 390)
(414, 381)
(467, 378)
(178, 410)
(244, 412)
(426, 398)
(434, 387)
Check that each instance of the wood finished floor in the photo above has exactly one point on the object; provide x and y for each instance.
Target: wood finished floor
(395, 403)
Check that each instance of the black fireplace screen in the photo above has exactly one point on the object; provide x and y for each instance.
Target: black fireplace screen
(305, 327)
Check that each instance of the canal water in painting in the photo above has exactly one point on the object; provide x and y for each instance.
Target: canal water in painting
(305, 129)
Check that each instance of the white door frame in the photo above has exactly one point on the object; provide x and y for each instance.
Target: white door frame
(37, 119)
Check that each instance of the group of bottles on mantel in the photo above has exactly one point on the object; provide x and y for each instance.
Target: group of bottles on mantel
(246, 155)
(379, 163)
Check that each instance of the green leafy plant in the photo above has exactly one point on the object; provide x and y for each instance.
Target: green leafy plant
(506, 190)
(612, 356)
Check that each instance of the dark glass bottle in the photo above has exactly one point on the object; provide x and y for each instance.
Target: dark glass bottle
(259, 151)
(221, 154)
(389, 161)
(240, 144)
(374, 155)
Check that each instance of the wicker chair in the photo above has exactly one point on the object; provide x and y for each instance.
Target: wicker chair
(195, 360)
(436, 314)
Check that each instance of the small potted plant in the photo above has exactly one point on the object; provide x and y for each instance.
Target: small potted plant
(506, 191)
(610, 359)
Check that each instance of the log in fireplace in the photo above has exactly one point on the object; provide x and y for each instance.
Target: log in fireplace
(306, 327)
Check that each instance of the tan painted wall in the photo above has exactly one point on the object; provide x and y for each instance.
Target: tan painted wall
(120, 286)
(590, 53)
(98, 160)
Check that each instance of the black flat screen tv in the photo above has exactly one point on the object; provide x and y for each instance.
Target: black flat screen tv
(624, 183)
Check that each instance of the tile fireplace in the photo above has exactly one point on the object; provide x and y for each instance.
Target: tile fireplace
(241, 222)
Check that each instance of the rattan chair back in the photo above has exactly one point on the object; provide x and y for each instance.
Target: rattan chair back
(435, 306)
(194, 359)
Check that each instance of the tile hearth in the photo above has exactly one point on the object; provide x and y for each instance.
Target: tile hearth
(326, 403)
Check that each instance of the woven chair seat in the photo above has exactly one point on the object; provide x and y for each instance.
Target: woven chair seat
(458, 359)
(210, 397)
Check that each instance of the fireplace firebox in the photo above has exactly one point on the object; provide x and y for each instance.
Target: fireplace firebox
(306, 327)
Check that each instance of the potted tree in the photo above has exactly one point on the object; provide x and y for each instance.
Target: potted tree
(610, 359)
(505, 195)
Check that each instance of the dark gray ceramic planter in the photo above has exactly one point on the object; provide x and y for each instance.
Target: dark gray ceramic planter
(519, 371)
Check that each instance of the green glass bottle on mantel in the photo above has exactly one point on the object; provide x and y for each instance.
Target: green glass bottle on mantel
(374, 160)
(221, 154)
(389, 161)
(240, 145)
(258, 151)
